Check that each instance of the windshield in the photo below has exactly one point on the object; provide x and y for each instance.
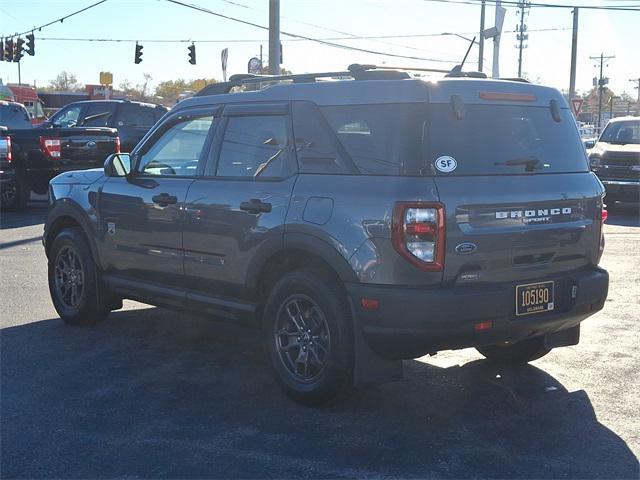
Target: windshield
(14, 117)
(503, 139)
(622, 132)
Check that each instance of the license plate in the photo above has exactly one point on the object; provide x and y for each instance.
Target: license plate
(534, 298)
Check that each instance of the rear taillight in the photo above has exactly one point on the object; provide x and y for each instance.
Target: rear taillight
(51, 147)
(5, 148)
(604, 214)
(117, 144)
(418, 234)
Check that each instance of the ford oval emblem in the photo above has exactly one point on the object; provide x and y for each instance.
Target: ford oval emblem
(91, 144)
(466, 248)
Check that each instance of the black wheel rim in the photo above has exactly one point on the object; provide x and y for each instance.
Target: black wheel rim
(302, 338)
(69, 277)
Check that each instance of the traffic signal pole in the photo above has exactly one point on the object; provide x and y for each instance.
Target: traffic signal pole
(601, 83)
(481, 42)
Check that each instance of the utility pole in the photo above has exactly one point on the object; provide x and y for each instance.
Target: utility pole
(637, 80)
(495, 67)
(523, 5)
(481, 43)
(274, 37)
(574, 54)
(602, 81)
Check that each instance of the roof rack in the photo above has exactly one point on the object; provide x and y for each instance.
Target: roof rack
(515, 79)
(355, 71)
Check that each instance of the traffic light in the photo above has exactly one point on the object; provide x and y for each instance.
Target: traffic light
(8, 50)
(192, 54)
(31, 44)
(138, 57)
(17, 56)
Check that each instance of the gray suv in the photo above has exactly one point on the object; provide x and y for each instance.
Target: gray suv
(355, 222)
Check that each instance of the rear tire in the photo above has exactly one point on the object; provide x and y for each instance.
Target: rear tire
(308, 336)
(517, 353)
(74, 284)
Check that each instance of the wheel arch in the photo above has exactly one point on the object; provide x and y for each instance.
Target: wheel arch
(65, 214)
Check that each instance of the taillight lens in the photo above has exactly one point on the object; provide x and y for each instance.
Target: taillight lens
(5, 148)
(604, 214)
(418, 234)
(117, 145)
(51, 147)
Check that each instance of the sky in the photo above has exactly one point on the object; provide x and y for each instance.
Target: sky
(546, 59)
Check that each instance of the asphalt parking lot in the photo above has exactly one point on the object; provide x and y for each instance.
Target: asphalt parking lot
(151, 393)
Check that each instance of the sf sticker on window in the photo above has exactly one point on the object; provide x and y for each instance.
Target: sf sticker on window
(446, 164)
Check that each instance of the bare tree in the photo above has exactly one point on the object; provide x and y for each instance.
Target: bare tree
(65, 82)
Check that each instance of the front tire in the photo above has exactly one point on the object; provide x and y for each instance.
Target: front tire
(308, 336)
(517, 353)
(74, 285)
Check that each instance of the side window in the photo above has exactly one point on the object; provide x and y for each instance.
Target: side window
(177, 151)
(255, 146)
(68, 117)
(97, 114)
(133, 115)
(317, 147)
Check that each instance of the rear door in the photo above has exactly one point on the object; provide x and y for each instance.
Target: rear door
(142, 215)
(519, 198)
(235, 214)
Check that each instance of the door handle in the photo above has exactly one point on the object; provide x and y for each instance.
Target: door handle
(164, 199)
(255, 205)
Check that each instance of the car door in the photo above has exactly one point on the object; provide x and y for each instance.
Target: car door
(142, 214)
(235, 213)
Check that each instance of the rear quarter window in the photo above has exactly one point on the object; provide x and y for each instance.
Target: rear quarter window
(132, 115)
(14, 117)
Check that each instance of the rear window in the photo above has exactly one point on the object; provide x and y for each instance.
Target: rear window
(14, 117)
(503, 139)
(622, 132)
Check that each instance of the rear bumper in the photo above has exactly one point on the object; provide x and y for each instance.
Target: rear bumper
(622, 190)
(411, 322)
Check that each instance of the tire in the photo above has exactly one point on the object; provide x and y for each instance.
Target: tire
(517, 353)
(308, 336)
(14, 197)
(74, 284)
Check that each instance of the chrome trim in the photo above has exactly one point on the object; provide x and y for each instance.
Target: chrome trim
(619, 182)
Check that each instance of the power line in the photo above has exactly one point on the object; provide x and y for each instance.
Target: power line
(303, 37)
(257, 40)
(627, 8)
(61, 19)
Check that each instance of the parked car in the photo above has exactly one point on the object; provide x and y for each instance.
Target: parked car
(34, 156)
(615, 158)
(79, 136)
(131, 119)
(357, 223)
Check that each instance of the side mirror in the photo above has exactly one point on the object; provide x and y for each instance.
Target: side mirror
(117, 165)
(588, 144)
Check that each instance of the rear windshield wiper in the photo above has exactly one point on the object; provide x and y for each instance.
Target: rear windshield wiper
(530, 163)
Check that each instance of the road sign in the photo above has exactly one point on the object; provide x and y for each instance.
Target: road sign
(224, 55)
(106, 78)
(576, 105)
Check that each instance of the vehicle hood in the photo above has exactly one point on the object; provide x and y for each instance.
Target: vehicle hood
(602, 147)
(79, 177)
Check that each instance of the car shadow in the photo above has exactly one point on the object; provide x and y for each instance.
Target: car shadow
(34, 214)
(149, 394)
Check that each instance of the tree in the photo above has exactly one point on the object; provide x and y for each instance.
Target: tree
(171, 90)
(138, 92)
(65, 82)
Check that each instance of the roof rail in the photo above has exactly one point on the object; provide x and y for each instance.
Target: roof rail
(515, 79)
(355, 71)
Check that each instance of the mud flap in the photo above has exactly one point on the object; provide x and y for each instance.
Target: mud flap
(370, 368)
(563, 338)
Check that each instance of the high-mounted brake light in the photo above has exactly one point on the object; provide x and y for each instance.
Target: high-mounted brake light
(508, 97)
(418, 234)
(117, 145)
(5, 147)
(51, 147)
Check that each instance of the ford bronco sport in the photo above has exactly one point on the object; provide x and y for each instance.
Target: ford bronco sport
(358, 223)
